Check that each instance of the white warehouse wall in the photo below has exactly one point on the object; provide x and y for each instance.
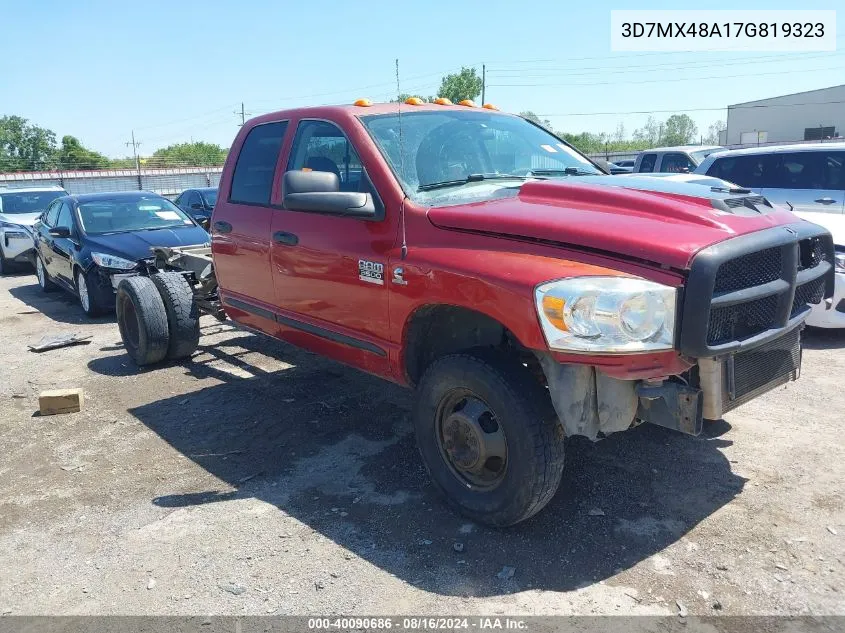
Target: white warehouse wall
(784, 119)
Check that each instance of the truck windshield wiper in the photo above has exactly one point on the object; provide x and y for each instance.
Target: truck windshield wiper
(470, 178)
(569, 171)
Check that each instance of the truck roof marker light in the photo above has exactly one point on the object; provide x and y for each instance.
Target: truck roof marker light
(467, 102)
(489, 106)
(553, 309)
(363, 103)
(414, 101)
(443, 101)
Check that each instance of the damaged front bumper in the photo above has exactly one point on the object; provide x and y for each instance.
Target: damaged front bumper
(590, 403)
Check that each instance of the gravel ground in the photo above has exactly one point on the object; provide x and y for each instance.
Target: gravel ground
(257, 478)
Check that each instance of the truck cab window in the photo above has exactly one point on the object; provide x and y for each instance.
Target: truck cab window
(321, 146)
(647, 162)
(252, 180)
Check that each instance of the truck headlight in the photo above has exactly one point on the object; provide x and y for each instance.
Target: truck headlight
(839, 262)
(111, 261)
(607, 314)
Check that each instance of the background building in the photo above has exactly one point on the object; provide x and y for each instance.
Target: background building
(804, 116)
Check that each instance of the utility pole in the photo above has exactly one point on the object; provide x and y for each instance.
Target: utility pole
(243, 114)
(135, 145)
(483, 83)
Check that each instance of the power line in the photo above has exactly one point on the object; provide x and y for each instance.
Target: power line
(553, 72)
(673, 110)
(661, 80)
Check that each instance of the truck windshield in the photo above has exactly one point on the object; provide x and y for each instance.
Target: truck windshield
(452, 156)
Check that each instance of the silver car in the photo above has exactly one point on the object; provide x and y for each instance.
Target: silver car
(809, 178)
(20, 208)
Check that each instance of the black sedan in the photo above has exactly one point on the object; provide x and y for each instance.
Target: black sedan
(198, 203)
(87, 243)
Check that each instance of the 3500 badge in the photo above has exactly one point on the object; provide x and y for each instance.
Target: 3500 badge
(371, 272)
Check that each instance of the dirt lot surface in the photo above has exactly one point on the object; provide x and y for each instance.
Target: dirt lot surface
(257, 478)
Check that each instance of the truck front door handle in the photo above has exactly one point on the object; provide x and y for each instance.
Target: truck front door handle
(288, 239)
(222, 227)
(825, 200)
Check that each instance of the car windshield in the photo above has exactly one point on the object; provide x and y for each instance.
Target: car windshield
(27, 201)
(148, 213)
(210, 197)
(452, 157)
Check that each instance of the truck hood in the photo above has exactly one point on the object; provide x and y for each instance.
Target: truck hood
(24, 219)
(136, 245)
(658, 220)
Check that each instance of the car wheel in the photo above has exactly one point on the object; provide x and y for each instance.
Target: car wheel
(90, 295)
(183, 316)
(489, 437)
(142, 320)
(43, 277)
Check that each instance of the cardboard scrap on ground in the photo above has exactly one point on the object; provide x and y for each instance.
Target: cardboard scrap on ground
(59, 340)
(60, 401)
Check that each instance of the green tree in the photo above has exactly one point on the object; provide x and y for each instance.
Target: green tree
(459, 86)
(528, 114)
(25, 147)
(404, 95)
(650, 133)
(712, 136)
(680, 129)
(197, 154)
(72, 155)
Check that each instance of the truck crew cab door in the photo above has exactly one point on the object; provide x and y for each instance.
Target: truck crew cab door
(240, 227)
(330, 271)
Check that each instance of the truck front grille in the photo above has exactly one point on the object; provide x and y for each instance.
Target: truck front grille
(745, 291)
(809, 293)
(763, 368)
(749, 270)
(742, 320)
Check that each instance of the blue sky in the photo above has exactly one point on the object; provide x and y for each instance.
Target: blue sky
(176, 70)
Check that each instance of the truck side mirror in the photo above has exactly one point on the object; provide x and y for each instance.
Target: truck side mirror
(319, 192)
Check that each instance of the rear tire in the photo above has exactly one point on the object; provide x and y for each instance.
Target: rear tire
(46, 284)
(142, 320)
(470, 405)
(183, 316)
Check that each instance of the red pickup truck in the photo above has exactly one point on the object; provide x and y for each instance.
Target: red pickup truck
(527, 295)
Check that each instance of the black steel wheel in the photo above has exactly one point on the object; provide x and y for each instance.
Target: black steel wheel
(488, 436)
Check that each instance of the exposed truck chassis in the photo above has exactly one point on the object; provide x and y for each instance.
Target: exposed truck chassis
(196, 265)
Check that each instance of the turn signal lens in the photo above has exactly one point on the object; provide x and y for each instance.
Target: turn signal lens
(489, 106)
(553, 309)
(443, 101)
(467, 102)
(414, 101)
(363, 103)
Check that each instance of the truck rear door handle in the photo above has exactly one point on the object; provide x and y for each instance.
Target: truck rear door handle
(288, 239)
(825, 200)
(222, 227)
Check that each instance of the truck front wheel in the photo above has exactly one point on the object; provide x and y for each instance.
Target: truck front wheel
(489, 437)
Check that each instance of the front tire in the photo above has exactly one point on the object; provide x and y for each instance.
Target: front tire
(46, 284)
(489, 437)
(90, 294)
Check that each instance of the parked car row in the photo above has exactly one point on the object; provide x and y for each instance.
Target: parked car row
(85, 244)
